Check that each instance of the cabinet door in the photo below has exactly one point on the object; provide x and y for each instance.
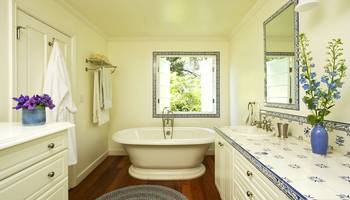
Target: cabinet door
(228, 171)
(218, 165)
(224, 168)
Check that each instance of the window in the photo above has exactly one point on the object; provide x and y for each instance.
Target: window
(187, 83)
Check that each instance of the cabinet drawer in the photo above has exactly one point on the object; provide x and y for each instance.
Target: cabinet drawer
(17, 158)
(255, 178)
(33, 181)
(245, 187)
(57, 192)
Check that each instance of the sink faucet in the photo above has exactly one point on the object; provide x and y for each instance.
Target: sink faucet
(267, 125)
(264, 124)
(168, 122)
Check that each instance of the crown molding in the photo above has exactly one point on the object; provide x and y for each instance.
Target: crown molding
(82, 18)
(257, 6)
(169, 38)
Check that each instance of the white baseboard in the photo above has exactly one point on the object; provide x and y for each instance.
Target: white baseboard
(117, 152)
(82, 175)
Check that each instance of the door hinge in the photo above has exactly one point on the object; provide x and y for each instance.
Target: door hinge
(158, 100)
(213, 100)
(290, 70)
(213, 69)
(18, 31)
(290, 100)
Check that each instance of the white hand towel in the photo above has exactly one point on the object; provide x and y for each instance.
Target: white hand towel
(57, 85)
(99, 115)
(107, 88)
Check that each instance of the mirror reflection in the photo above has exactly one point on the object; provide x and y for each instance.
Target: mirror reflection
(280, 59)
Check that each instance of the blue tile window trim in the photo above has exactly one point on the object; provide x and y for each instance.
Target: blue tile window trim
(274, 178)
(188, 53)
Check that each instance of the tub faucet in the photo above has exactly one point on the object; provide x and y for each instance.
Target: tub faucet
(168, 122)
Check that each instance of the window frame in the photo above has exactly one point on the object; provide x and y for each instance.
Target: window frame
(186, 53)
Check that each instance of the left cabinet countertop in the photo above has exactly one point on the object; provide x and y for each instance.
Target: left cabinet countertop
(12, 134)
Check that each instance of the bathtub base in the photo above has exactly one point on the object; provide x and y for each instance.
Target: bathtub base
(166, 174)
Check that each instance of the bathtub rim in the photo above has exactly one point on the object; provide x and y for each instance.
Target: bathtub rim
(192, 141)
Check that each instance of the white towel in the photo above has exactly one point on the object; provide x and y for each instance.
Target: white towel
(57, 85)
(99, 115)
(105, 88)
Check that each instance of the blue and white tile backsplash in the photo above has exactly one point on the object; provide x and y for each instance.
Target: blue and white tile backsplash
(339, 134)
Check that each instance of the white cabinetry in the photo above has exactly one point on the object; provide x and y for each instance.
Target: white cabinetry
(224, 168)
(237, 179)
(36, 169)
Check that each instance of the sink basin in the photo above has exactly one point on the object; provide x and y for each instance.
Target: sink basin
(250, 131)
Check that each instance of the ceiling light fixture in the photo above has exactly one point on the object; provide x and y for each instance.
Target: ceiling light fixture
(305, 5)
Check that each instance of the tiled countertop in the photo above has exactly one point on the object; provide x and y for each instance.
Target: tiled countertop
(293, 168)
(14, 133)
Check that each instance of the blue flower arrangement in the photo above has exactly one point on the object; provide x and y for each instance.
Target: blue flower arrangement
(320, 95)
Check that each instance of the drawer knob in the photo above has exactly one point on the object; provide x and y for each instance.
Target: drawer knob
(51, 174)
(249, 173)
(221, 144)
(249, 194)
(51, 145)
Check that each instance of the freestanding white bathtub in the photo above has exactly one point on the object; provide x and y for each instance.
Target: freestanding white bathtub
(156, 158)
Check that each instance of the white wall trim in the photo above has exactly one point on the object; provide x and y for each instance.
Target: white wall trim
(257, 6)
(169, 38)
(117, 152)
(82, 18)
(82, 175)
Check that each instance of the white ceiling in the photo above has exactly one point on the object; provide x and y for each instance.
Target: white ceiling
(145, 18)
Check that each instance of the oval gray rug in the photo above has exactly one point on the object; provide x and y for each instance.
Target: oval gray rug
(143, 192)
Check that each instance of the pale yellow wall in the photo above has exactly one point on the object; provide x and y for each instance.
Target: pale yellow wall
(132, 84)
(5, 58)
(91, 139)
(247, 58)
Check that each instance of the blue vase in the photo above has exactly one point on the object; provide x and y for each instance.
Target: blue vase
(319, 140)
(33, 117)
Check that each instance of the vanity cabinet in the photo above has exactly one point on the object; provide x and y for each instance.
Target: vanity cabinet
(36, 169)
(237, 179)
(224, 170)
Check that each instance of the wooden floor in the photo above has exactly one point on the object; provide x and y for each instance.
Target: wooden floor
(113, 174)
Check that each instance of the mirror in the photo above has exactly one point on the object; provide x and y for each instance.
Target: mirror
(281, 66)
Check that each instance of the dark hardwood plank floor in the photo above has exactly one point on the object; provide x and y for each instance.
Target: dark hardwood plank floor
(113, 174)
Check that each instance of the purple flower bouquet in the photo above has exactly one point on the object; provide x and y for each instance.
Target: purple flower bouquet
(33, 108)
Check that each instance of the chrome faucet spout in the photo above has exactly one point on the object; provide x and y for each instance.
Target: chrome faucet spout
(168, 122)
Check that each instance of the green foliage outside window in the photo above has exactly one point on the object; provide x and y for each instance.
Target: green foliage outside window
(185, 85)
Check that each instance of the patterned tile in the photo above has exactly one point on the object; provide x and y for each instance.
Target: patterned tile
(343, 196)
(294, 166)
(320, 165)
(345, 178)
(316, 179)
(287, 162)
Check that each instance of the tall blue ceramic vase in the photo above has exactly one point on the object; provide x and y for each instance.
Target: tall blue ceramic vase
(319, 140)
(33, 117)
